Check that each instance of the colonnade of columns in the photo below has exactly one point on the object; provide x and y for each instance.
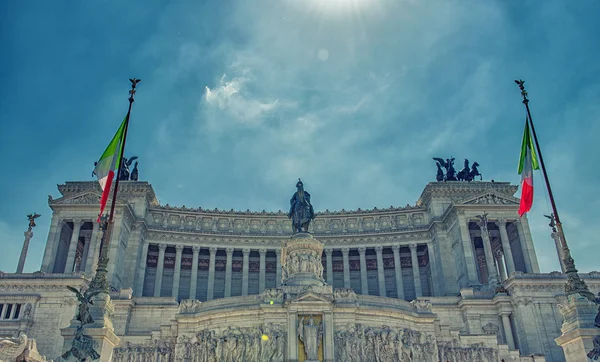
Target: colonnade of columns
(328, 258)
(211, 270)
(83, 260)
(501, 263)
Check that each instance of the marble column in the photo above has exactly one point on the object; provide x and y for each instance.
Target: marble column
(228, 270)
(510, 340)
(277, 268)
(52, 244)
(508, 256)
(194, 277)
(28, 234)
(211, 274)
(3, 311)
(177, 274)
(86, 250)
(246, 253)
(262, 270)
(139, 282)
(329, 265)
(380, 271)
(91, 255)
(525, 235)
(416, 271)
(73, 246)
(364, 281)
(500, 264)
(13, 311)
(468, 249)
(345, 252)
(433, 266)
(159, 269)
(398, 270)
(489, 256)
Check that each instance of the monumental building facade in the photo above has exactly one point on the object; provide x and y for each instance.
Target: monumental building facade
(453, 277)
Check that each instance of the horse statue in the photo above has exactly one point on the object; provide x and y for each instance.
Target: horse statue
(439, 177)
(474, 172)
(448, 164)
(301, 211)
(463, 175)
(125, 163)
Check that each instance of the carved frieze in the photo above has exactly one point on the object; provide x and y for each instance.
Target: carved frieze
(491, 199)
(258, 343)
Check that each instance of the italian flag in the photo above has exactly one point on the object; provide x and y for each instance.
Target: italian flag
(527, 163)
(108, 163)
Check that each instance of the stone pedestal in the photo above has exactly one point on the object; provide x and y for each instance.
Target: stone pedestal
(301, 261)
(101, 331)
(104, 341)
(578, 330)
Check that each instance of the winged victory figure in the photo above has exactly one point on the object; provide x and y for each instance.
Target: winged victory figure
(85, 300)
(32, 218)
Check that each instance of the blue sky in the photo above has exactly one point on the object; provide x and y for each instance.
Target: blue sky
(240, 98)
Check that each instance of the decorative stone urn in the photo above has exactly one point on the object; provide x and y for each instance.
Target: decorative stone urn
(301, 261)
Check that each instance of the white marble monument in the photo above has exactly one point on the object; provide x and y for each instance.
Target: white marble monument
(424, 282)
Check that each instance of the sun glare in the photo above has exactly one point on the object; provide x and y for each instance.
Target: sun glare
(340, 5)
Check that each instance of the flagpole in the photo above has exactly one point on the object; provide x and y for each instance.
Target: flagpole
(100, 282)
(575, 285)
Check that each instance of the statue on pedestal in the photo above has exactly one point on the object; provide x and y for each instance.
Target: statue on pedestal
(83, 310)
(311, 335)
(301, 211)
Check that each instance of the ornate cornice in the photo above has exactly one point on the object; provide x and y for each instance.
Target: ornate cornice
(127, 190)
(460, 190)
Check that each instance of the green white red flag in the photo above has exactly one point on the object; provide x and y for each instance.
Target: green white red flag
(527, 163)
(108, 163)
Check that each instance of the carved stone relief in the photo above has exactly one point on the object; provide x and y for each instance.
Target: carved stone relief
(155, 351)
(259, 343)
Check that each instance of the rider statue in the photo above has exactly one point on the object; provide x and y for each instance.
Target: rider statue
(301, 211)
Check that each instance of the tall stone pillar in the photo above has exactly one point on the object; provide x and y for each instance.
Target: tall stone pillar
(469, 253)
(52, 244)
(245, 262)
(159, 269)
(380, 271)
(28, 234)
(398, 270)
(508, 256)
(329, 265)
(277, 268)
(228, 270)
(141, 274)
(510, 340)
(416, 271)
(292, 340)
(91, 257)
(194, 277)
(210, 289)
(433, 266)
(73, 246)
(262, 270)
(527, 244)
(487, 247)
(177, 274)
(86, 250)
(364, 281)
(559, 252)
(345, 252)
(500, 265)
